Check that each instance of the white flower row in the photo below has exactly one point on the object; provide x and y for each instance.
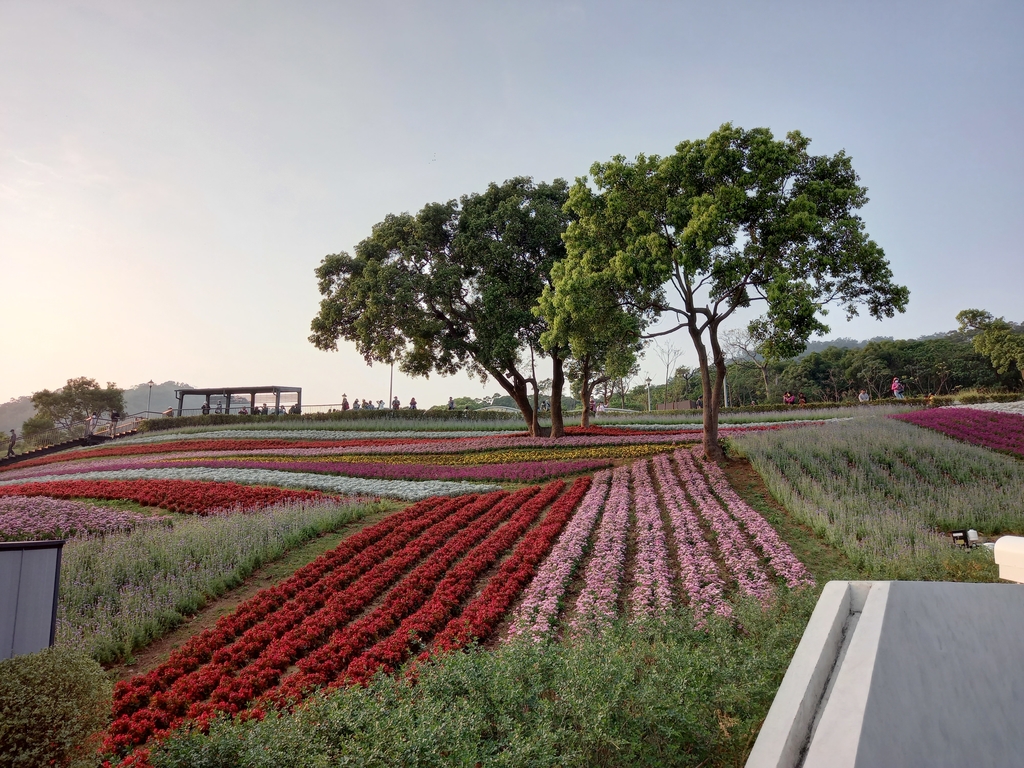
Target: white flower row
(1016, 406)
(303, 434)
(408, 490)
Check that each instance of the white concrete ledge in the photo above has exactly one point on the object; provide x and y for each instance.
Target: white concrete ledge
(1009, 554)
(787, 727)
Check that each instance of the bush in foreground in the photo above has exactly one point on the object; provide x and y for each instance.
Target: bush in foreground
(665, 694)
(52, 704)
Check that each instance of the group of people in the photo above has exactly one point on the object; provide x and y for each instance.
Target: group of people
(790, 399)
(897, 387)
(367, 405)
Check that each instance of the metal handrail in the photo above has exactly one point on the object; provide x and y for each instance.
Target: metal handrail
(78, 430)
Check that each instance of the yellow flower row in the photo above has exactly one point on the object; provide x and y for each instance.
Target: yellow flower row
(507, 456)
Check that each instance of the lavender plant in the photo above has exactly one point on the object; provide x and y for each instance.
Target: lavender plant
(120, 591)
(886, 492)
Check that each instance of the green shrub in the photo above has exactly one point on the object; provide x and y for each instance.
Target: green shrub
(52, 704)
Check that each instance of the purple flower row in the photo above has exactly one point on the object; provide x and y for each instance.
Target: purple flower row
(701, 578)
(471, 445)
(992, 429)
(596, 605)
(523, 472)
(542, 600)
(739, 558)
(771, 545)
(652, 594)
(25, 518)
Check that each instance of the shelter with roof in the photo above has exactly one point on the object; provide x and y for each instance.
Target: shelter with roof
(228, 392)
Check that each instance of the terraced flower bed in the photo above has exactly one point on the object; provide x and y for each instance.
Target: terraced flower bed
(991, 429)
(173, 495)
(26, 518)
(631, 527)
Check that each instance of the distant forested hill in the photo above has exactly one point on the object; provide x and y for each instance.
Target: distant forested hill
(14, 412)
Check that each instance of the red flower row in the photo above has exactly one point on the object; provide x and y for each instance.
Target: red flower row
(130, 695)
(446, 599)
(187, 496)
(484, 613)
(234, 693)
(302, 625)
(331, 659)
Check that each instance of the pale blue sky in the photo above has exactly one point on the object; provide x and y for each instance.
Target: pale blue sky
(171, 173)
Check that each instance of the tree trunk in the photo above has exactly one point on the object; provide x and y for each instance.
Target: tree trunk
(586, 390)
(516, 389)
(711, 394)
(557, 382)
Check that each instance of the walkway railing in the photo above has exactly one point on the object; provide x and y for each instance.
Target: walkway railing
(77, 430)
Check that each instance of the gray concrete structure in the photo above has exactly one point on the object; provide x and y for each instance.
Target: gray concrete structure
(903, 674)
(29, 578)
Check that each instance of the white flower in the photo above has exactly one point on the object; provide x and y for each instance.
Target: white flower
(409, 490)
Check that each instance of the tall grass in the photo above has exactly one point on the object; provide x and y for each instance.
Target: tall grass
(886, 493)
(750, 417)
(120, 591)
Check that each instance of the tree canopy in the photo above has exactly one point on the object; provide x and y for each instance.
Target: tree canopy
(994, 338)
(453, 287)
(722, 223)
(583, 317)
(73, 402)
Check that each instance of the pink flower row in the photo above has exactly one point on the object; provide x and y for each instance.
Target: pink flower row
(596, 605)
(40, 517)
(652, 594)
(780, 557)
(541, 603)
(701, 579)
(991, 429)
(739, 558)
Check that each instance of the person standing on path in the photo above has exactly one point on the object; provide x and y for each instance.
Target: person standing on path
(90, 423)
(897, 388)
(863, 396)
(10, 445)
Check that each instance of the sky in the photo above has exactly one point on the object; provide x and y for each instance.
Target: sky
(172, 173)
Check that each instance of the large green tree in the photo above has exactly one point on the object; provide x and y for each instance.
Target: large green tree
(994, 338)
(453, 287)
(73, 402)
(736, 218)
(584, 317)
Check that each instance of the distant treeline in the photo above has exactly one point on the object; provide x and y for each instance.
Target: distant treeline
(833, 371)
(935, 366)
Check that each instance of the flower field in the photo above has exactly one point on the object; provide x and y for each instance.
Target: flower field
(989, 428)
(26, 518)
(628, 527)
(887, 493)
(175, 496)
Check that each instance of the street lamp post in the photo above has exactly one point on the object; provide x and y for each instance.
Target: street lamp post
(149, 401)
(648, 393)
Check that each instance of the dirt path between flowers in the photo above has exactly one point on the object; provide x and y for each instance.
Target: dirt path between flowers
(145, 659)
